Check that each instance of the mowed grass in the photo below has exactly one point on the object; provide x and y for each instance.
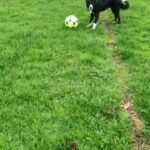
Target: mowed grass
(133, 38)
(57, 85)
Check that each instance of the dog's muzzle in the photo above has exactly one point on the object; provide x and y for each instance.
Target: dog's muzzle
(91, 8)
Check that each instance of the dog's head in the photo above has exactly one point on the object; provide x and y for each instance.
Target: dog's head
(90, 5)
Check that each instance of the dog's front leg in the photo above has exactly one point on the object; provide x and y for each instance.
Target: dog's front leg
(91, 20)
(95, 20)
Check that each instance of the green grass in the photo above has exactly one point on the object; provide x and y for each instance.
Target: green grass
(134, 45)
(59, 85)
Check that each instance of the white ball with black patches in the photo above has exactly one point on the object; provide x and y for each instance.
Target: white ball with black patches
(71, 21)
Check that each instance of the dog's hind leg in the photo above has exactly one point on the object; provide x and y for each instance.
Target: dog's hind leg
(116, 12)
(95, 21)
(118, 16)
(91, 20)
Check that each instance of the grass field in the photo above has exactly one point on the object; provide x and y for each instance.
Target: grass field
(59, 85)
(134, 48)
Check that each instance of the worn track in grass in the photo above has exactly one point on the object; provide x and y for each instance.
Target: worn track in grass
(139, 140)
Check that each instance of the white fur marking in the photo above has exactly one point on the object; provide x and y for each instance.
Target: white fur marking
(94, 26)
(89, 24)
(123, 1)
(91, 9)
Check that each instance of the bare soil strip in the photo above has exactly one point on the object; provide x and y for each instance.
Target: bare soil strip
(127, 103)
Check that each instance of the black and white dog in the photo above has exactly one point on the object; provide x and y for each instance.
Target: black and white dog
(97, 6)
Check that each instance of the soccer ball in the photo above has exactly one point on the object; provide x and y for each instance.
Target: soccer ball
(71, 21)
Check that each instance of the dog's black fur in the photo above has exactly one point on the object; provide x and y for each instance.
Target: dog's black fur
(97, 6)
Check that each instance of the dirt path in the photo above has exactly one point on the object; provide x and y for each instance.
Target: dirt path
(127, 102)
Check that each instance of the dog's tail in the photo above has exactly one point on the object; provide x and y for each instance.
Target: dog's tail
(124, 4)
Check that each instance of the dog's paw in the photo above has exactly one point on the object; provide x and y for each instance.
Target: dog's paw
(113, 22)
(118, 24)
(89, 25)
(94, 26)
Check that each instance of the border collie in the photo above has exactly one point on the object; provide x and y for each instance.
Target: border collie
(97, 6)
